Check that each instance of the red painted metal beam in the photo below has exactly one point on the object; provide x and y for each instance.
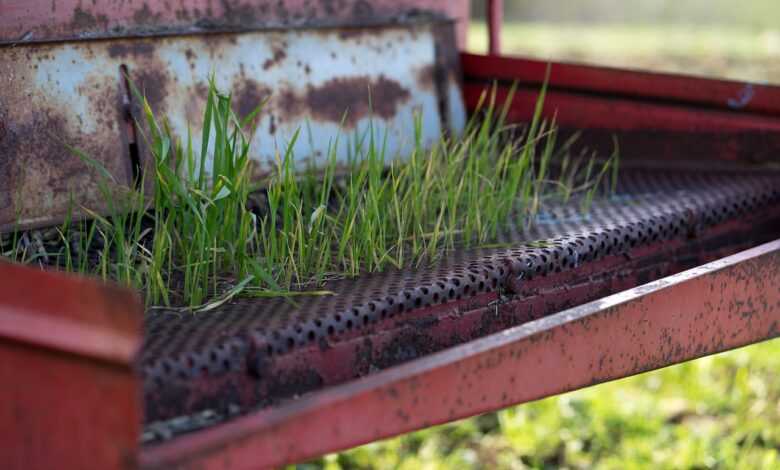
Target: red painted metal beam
(421, 331)
(719, 306)
(653, 116)
(495, 15)
(632, 84)
(592, 112)
(43, 20)
(69, 397)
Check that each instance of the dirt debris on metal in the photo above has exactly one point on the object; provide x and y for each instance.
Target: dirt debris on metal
(379, 320)
(682, 317)
(24, 21)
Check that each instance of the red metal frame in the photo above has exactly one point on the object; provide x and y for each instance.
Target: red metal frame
(495, 16)
(426, 330)
(654, 116)
(39, 21)
(69, 394)
(630, 84)
(68, 343)
(712, 308)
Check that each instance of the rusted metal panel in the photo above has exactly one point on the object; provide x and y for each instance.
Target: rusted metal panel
(447, 77)
(722, 305)
(357, 79)
(69, 397)
(43, 20)
(74, 94)
(52, 97)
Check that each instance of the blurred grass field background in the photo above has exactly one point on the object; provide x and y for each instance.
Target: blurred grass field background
(724, 51)
(717, 412)
(718, 38)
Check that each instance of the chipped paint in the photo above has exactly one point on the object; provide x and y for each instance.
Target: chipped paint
(73, 93)
(42, 111)
(36, 21)
(349, 84)
(744, 97)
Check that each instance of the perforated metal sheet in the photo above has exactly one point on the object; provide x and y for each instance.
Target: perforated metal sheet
(650, 205)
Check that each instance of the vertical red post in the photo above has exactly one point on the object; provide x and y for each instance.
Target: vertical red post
(69, 398)
(495, 17)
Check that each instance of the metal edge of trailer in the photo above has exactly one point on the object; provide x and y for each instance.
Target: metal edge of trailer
(649, 131)
(715, 307)
(70, 393)
(660, 86)
(25, 21)
(190, 373)
(650, 114)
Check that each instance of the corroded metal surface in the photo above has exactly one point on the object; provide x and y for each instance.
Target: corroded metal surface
(69, 395)
(715, 307)
(326, 82)
(41, 20)
(269, 350)
(52, 97)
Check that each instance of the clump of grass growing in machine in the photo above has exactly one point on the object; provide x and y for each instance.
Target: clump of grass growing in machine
(206, 232)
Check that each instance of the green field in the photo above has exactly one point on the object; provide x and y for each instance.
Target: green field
(717, 412)
(718, 51)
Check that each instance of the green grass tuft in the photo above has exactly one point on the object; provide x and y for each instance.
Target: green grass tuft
(192, 240)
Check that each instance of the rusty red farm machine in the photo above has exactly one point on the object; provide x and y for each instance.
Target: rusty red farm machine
(683, 262)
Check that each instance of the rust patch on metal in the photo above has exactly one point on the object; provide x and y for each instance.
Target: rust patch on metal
(83, 19)
(248, 97)
(41, 179)
(353, 34)
(426, 76)
(83, 85)
(145, 15)
(131, 48)
(358, 97)
(38, 168)
(243, 13)
(362, 9)
(193, 107)
(278, 55)
(153, 83)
